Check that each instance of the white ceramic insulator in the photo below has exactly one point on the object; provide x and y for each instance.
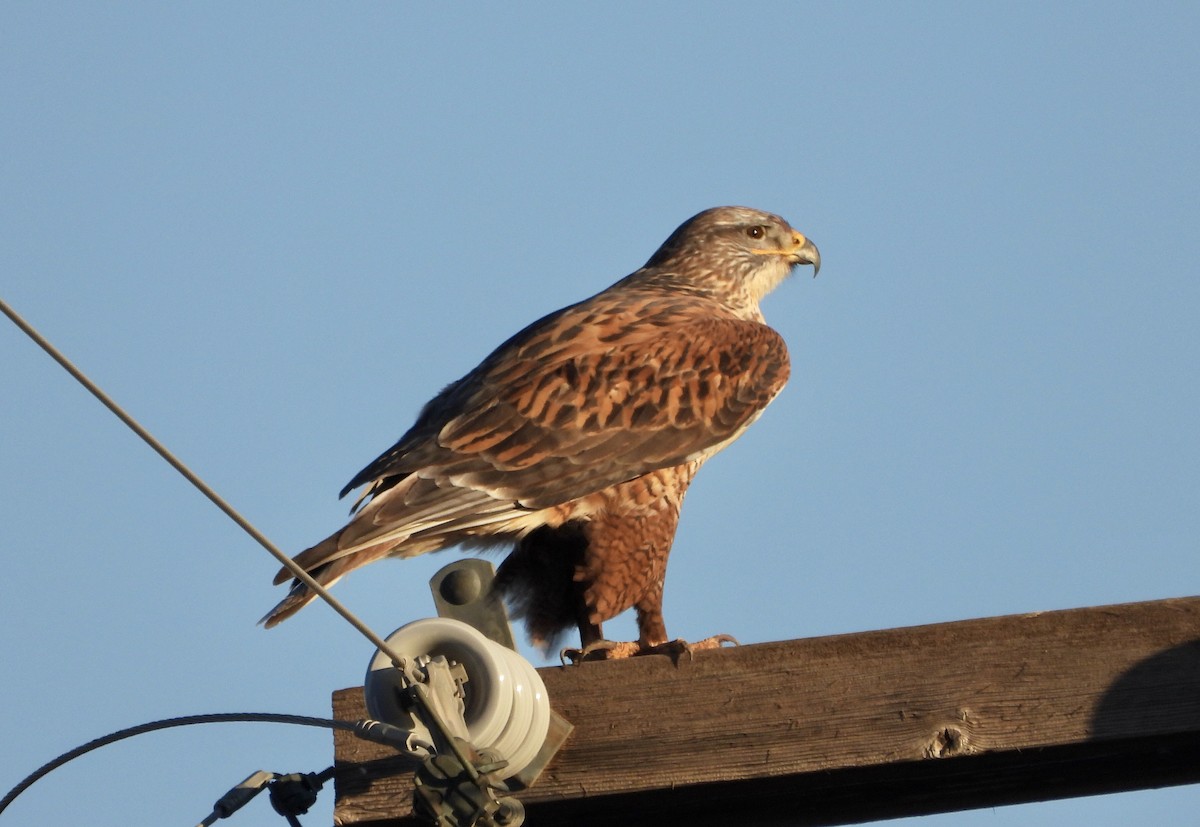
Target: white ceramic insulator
(506, 706)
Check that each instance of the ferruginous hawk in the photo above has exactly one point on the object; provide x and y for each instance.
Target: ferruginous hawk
(577, 438)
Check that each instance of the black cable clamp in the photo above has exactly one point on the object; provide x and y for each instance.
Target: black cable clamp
(292, 795)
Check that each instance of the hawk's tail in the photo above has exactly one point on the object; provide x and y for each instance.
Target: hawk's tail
(297, 598)
(325, 564)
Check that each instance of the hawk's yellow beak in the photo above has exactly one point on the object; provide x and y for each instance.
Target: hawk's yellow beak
(806, 252)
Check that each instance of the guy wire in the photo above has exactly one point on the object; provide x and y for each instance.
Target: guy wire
(300, 574)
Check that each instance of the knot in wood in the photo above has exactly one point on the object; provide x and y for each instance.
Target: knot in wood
(947, 742)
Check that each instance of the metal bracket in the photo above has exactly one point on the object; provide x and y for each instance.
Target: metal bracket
(463, 591)
(443, 698)
(556, 736)
(445, 795)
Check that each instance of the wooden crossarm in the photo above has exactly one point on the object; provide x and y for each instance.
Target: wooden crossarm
(842, 729)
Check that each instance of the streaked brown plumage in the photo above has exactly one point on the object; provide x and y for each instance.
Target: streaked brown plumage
(577, 438)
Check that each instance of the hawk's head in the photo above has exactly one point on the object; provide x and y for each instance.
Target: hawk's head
(735, 254)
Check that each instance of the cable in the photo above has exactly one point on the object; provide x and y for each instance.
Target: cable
(167, 723)
(301, 575)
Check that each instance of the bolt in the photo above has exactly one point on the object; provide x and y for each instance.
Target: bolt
(461, 587)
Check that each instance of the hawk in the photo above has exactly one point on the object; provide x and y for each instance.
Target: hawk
(575, 440)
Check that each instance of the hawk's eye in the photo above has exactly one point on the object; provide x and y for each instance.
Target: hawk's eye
(756, 232)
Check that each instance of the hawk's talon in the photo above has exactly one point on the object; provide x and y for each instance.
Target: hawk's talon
(601, 650)
(674, 649)
(612, 650)
(715, 642)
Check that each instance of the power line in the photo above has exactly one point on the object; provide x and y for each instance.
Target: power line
(167, 723)
(108, 402)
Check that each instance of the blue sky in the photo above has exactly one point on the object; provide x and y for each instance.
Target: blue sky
(273, 231)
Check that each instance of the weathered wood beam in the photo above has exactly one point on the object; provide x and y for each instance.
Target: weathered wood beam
(848, 728)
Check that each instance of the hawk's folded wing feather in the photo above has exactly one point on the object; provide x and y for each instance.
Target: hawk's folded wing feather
(538, 431)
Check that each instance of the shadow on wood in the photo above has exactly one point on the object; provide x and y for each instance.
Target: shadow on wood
(850, 728)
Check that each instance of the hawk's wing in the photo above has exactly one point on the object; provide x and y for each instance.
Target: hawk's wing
(553, 418)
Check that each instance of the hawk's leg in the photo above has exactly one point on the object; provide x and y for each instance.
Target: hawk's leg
(624, 566)
(653, 632)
